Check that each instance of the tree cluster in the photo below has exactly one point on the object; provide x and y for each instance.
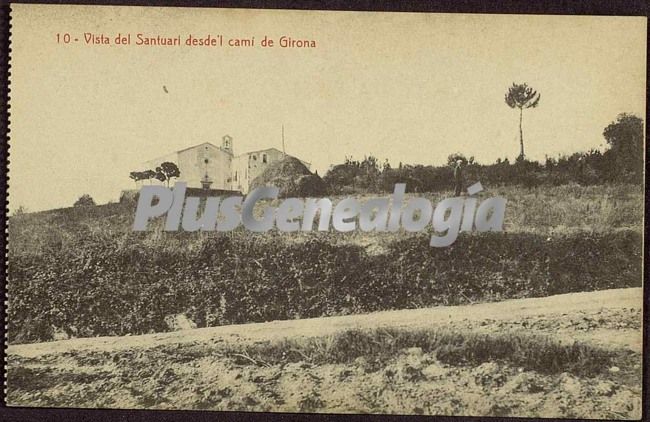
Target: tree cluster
(622, 162)
(164, 173)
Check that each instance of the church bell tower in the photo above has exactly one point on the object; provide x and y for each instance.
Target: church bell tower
(226, 143)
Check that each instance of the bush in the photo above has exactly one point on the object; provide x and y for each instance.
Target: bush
(620, 164)
(84, 200)
(112, 283)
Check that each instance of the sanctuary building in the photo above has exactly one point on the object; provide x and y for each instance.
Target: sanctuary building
(216, 167)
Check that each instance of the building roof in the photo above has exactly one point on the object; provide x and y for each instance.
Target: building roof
(258, 151)
(217, 147)
(198, 145)
(161, 157)
(269, 149)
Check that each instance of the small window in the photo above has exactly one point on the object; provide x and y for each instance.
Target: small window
(255, 157)
(264, 158)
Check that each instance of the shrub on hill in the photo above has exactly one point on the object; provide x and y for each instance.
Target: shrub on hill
(84, 201)
(115, 283)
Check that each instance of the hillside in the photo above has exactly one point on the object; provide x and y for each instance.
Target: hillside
(549, 322)
(82, 272)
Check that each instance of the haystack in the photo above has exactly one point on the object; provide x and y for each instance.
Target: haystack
(293, 179)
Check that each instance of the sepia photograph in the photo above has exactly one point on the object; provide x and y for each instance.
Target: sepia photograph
(333, 212)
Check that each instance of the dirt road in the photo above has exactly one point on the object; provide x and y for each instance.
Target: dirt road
(210, 368)
(509, 310)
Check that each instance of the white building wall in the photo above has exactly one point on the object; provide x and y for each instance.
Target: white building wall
(192, 166)
(240, 179)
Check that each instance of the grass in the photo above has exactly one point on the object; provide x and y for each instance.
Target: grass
(531, 351)
(563, 209)
(549, 211)
(362, 372)
(83, 270)
(371, 349)
(543, 210)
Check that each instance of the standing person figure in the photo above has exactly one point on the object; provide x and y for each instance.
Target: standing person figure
(458, 177)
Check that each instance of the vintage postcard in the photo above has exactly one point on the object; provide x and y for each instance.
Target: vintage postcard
(326, 211)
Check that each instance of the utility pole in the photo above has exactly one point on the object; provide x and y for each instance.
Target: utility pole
(284, 152)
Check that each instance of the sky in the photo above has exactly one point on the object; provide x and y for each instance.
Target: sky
(406, 87)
